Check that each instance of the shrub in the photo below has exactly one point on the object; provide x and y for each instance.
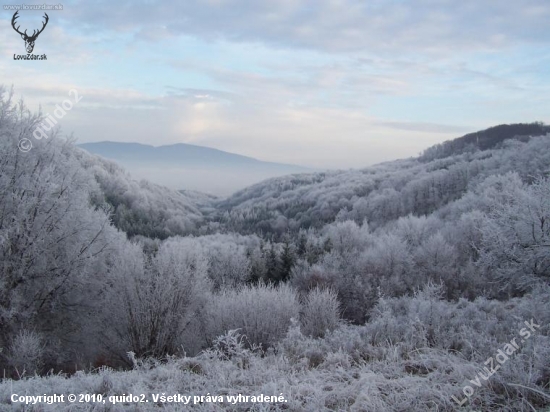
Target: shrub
(26, 353)
(261, 313)
(321, 312)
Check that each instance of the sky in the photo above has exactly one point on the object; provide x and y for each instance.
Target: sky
(319, 83)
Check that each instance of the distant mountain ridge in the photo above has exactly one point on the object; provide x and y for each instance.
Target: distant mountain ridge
(175, 153)
(184, 166)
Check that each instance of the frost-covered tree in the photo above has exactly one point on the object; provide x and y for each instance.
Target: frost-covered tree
(515, 247)
(54, 245)
(390, 261)
(159, 300)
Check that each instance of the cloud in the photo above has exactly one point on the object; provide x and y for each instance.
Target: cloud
(191, 94)
(326, 83)
(317, 137)
(425, 127)
(433, 27)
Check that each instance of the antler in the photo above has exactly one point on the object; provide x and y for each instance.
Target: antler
(43, 27)
(15, 16)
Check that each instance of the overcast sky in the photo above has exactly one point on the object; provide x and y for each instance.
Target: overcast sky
(321, 83)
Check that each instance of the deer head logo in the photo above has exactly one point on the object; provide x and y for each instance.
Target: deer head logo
(29, 40)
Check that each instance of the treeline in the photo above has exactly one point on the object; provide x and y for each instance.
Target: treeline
(490, 138)
(379, 194)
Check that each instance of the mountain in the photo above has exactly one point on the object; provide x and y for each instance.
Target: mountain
(485, 139)
(189, 167)
(388, 191)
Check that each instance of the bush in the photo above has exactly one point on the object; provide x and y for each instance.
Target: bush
(160, 301)
(321, 312)
(26, 353)
(261, 313)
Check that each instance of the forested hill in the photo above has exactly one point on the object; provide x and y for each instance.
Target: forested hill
(385, 192)
(135, 207)
(140, 207)
(485, 139)
(379, 194)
